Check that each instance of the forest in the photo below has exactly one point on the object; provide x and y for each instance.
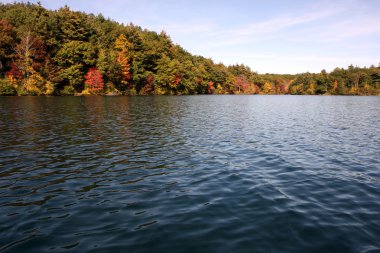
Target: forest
(65, 52)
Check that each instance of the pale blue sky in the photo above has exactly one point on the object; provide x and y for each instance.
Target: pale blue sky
(283, 36)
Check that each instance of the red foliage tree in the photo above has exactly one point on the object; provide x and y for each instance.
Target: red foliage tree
(284, 89)
(211, 87)
(177, 80)
(6, 42)
(241, 83)
(149, 86)
(30, 53)
(15, 71)
(94, 80)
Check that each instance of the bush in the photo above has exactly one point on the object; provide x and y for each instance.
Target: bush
(49, 88)
(132, 92)
(6, 89)
(34, 91)
(28, 90)
(68, 91)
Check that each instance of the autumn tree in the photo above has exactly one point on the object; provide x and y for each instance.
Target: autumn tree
(6, 43)
(122, 45)
(94, 81)
(267, 89)
(241, 84)
(148, 86)
(30, 53)
(211, 87)
(25, 50)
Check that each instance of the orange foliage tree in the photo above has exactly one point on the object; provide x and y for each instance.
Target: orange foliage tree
(122, 44)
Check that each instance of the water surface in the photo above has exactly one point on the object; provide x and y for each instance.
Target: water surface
(190, 174)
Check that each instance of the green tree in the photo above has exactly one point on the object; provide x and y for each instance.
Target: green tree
(169, 76)
(72, 25)
(74, 58)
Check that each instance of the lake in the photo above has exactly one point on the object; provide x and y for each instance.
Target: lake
(190, 174)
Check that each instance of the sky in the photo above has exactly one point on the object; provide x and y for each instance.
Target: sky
(271, 36)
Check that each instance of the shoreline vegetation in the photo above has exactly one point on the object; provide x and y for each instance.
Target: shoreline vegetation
(65, 52)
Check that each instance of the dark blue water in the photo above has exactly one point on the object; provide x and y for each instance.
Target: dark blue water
(190, 174)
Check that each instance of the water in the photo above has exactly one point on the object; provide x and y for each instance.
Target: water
(190, 174)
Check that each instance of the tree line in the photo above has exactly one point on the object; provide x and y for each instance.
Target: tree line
(65, 52)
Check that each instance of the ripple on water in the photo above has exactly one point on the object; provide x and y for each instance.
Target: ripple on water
(189, 174)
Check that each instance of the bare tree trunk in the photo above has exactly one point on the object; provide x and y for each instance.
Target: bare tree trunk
(25, 51)
(357, 78)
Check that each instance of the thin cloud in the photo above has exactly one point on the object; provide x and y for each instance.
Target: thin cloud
(190, 28)
(277, 24)
(351, 29)
(264, 30)
(339, 31)
(303, 58)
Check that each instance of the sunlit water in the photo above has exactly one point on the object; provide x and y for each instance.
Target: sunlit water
(190, 174)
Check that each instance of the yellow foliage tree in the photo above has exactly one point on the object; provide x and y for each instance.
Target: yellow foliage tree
(122, 45)
(311, 89)
(32, 83)
(219, 89)
(267, 89)
(12, 81)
